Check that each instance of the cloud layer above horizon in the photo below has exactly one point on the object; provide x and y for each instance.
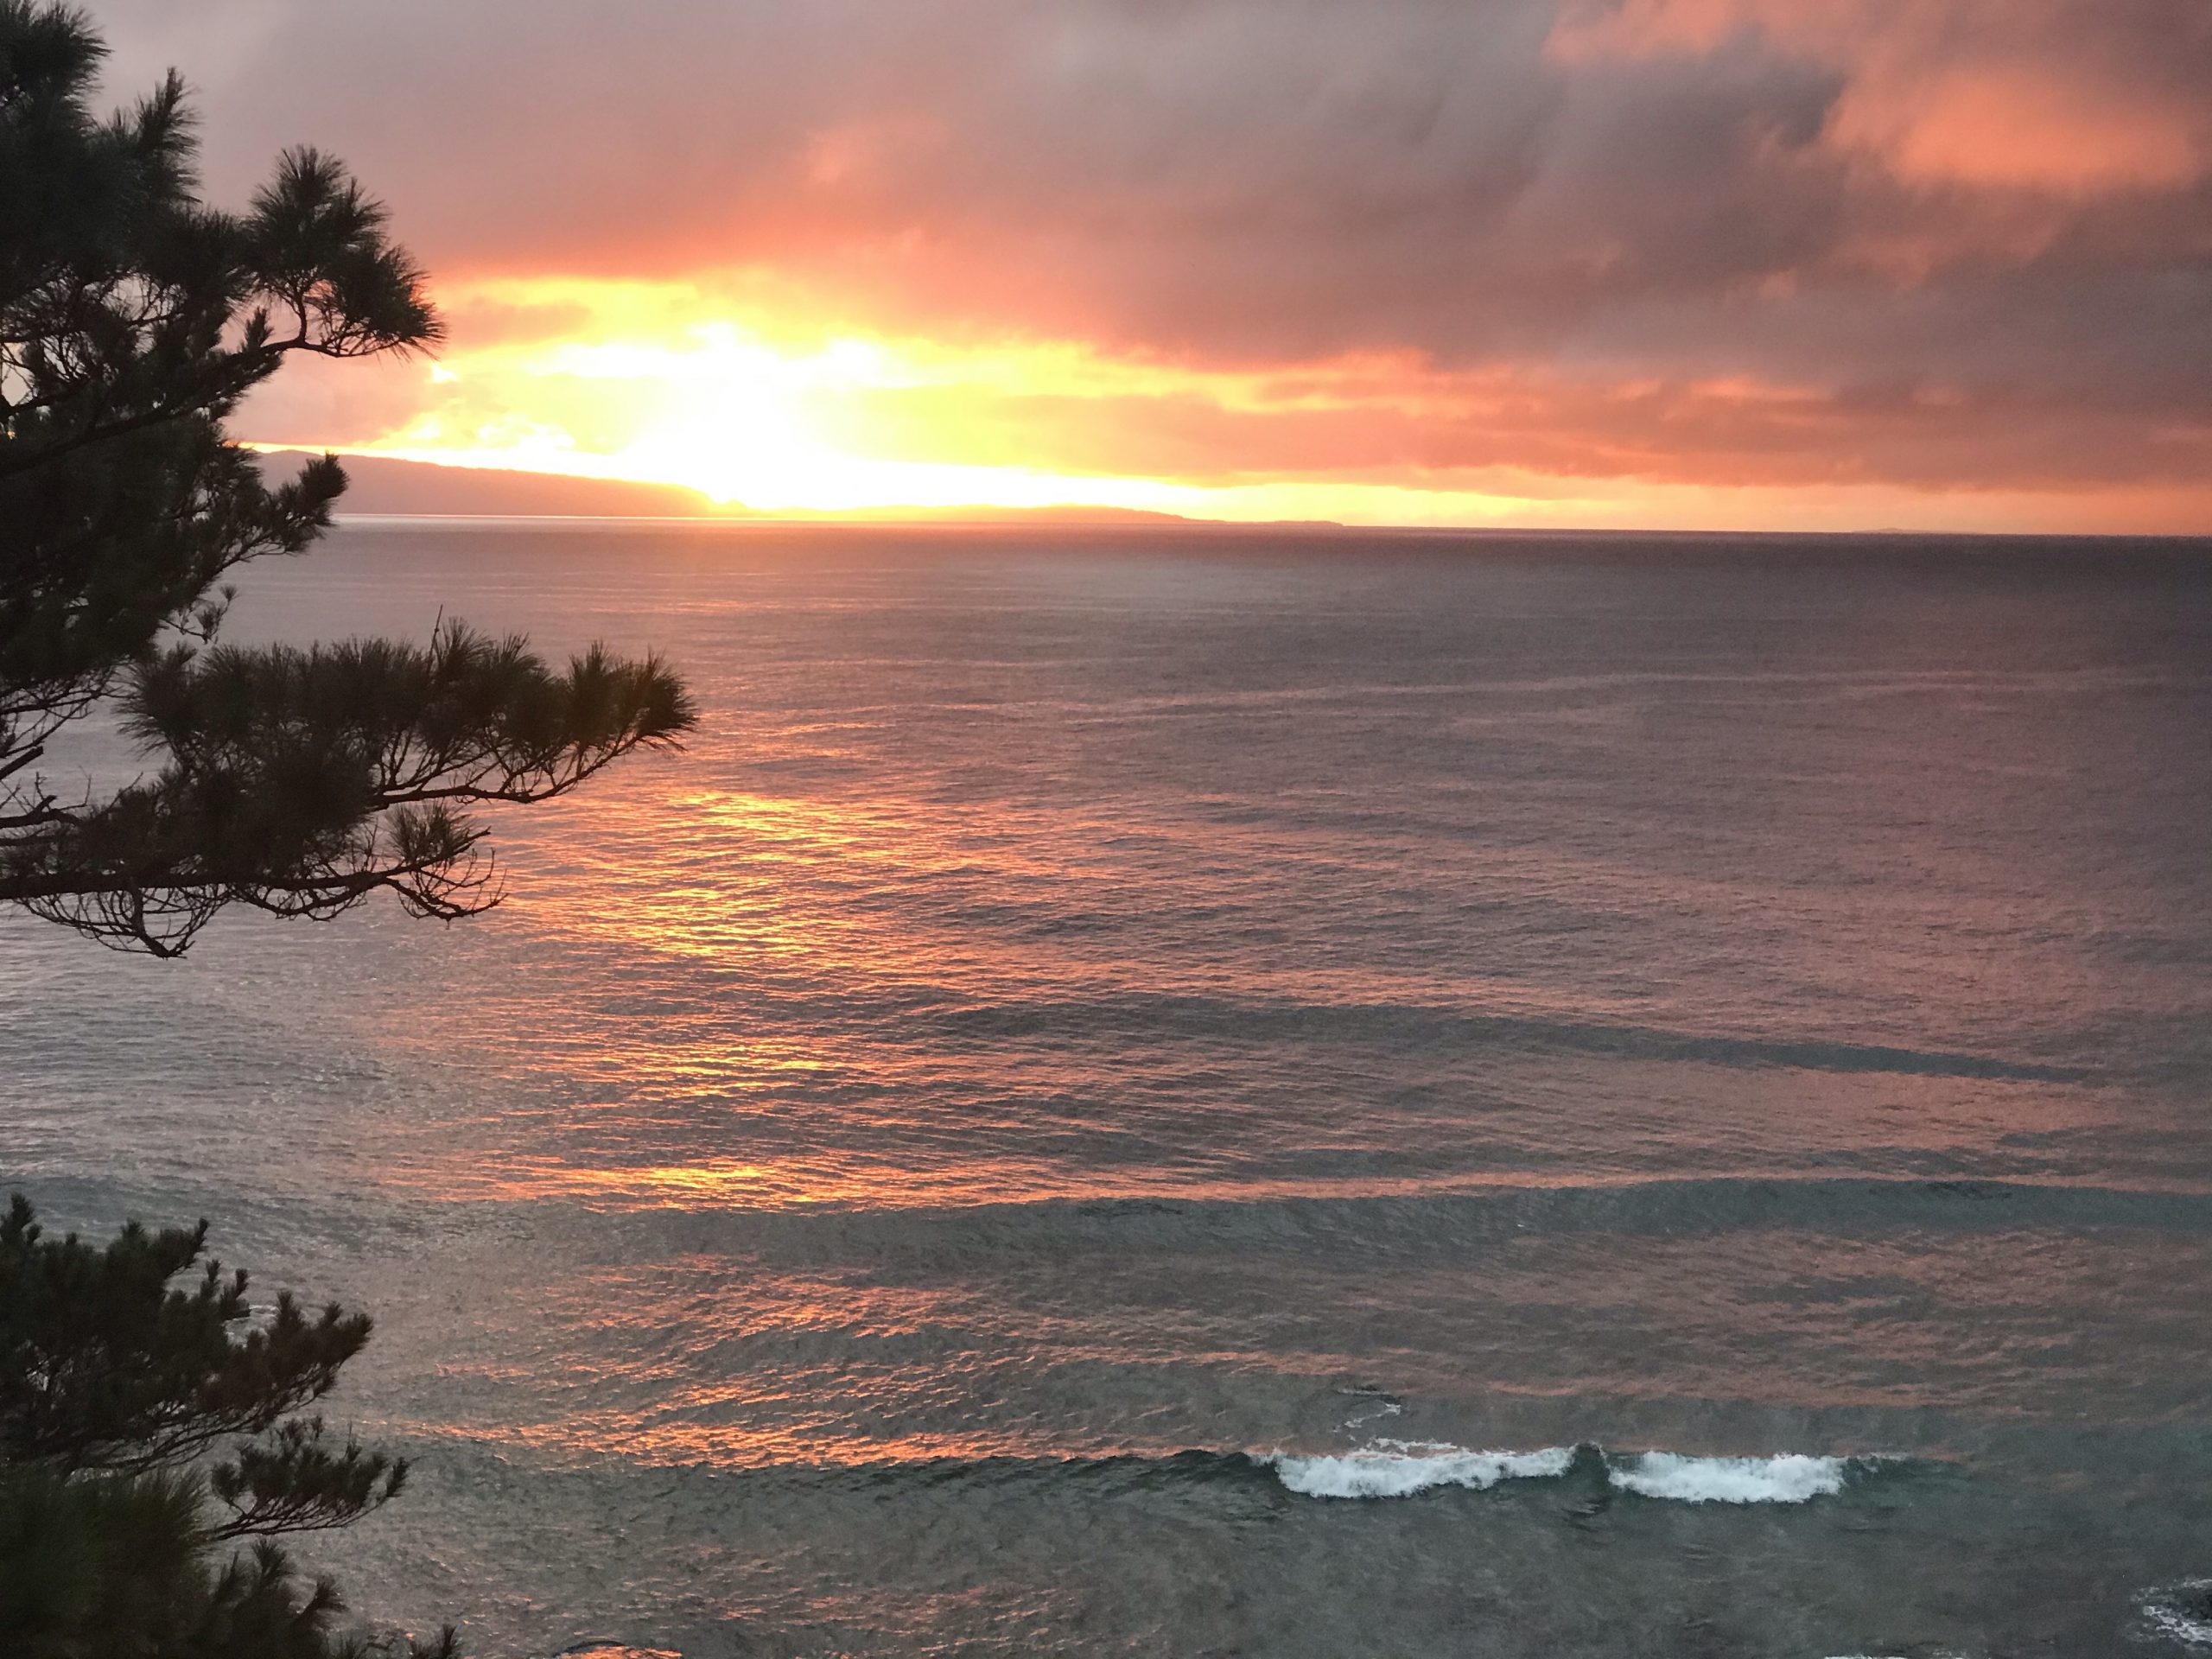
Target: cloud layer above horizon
(1857, 254)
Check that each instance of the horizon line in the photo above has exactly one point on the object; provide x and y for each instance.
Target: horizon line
(1139, 523)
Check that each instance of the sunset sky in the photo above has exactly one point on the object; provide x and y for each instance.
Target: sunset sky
(1779, 264)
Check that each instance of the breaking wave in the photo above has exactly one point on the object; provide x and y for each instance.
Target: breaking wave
(1786, 1480)
(2181, 1612)
(1401, 1468)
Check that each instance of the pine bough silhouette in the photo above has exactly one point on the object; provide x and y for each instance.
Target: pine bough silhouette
(150, 1453)
(144, 1426)
(132, 321)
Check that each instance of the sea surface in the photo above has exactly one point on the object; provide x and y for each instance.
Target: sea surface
(1183, 1093)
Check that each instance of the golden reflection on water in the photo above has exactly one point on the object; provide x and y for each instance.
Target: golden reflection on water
(854, 1184)
(974, 984)
(730, 1447)
(838, 904)
(714, 1183)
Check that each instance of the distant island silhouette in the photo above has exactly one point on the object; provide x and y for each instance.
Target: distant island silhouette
(382, 486)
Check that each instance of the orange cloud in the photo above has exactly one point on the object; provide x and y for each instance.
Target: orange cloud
(2022, 127)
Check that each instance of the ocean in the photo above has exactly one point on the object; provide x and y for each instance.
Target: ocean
(1268, 1093)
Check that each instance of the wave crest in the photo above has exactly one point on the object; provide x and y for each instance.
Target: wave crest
(1400, 1468)
(2181, 1612)
(1787, 1479)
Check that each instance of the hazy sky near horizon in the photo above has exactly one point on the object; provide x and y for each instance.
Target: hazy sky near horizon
(1817, 262)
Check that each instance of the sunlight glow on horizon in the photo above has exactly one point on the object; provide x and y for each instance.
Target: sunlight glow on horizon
(660, 383)
(744, 396)
(720, 409)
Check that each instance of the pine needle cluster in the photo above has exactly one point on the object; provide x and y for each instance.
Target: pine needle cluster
(149, 1427)
(133, 320)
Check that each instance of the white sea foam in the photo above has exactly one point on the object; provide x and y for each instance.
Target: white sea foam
(1400, 1468)
(2179, 1612)
(1787, 1479)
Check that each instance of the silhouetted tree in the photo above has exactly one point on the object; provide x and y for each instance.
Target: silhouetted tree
(145, 1425)
(156, 1437)
(133, 318)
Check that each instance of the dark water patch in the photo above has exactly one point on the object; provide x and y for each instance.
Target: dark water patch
(1120, 1017)
(1436, 1222)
